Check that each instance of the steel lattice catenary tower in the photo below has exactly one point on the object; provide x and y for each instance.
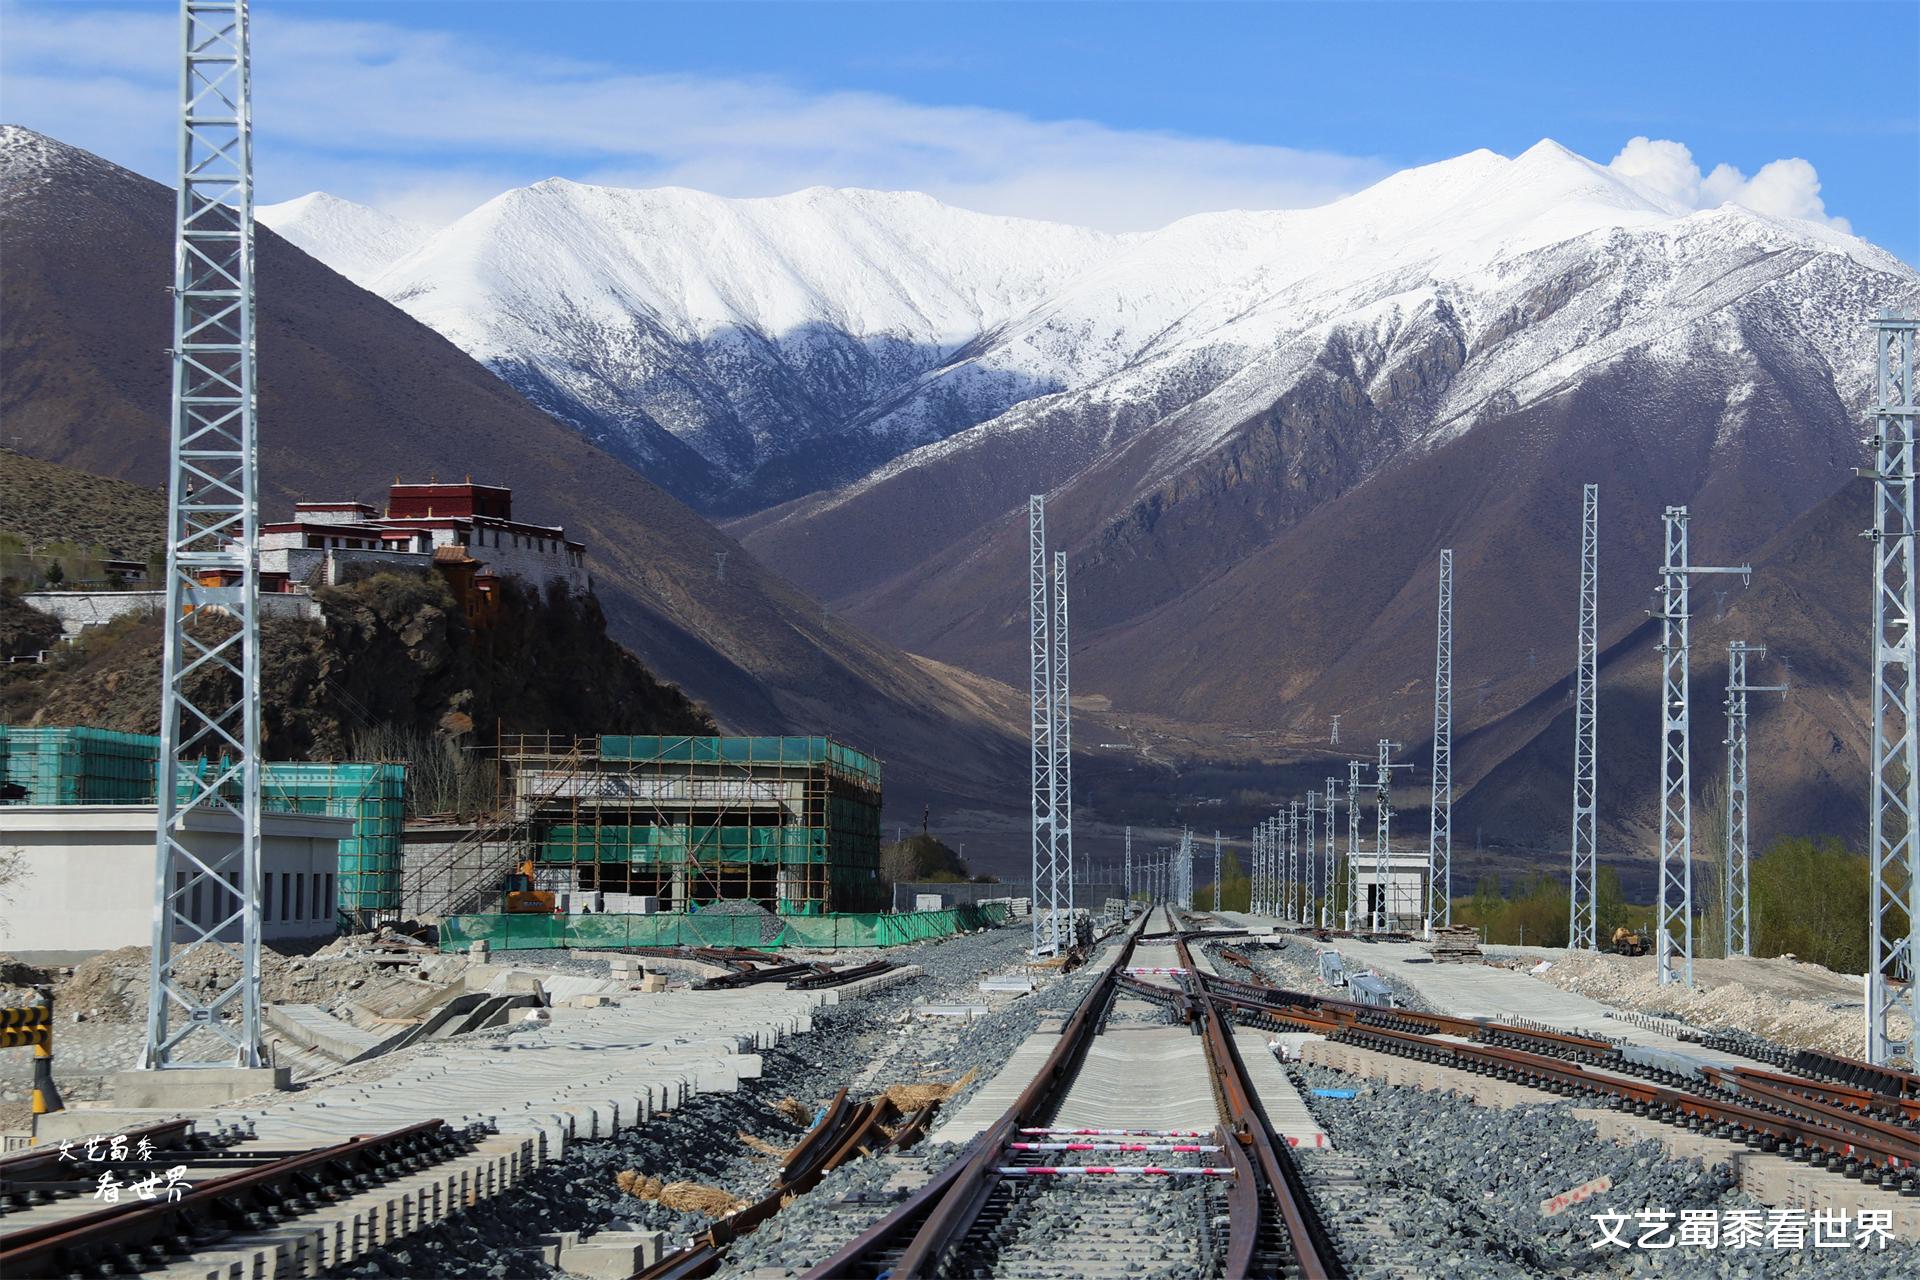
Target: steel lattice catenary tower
(1062, 737)
(210, 741)
(1216, 871)
(1045, 862)
(1582, 908)
(1327, 882)
(1739, 881)
(1893, 947)
(1440, 827)
(1673, 939)
(1353, 842)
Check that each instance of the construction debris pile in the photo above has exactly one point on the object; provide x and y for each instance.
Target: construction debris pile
(1800, 1006)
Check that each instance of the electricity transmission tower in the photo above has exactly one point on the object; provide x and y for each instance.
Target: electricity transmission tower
(210, 742)
(1128, 865)
(1353, 839)
(1440, 822)
(1739, 922)
(1062, 731)
(1327, 866)
(1049, 921)
(1334, 740)
(1582, 905)
(1894, 903)
(1674, 912)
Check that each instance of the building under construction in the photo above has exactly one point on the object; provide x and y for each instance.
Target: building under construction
(633, 823)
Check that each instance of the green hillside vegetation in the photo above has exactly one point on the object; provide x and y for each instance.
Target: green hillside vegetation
(57, 523)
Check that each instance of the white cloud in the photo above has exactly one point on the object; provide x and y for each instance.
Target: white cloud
(421, 122)
(1787, 188)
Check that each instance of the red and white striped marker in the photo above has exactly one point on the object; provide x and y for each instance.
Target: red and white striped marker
(1089, 1170)
(1111, 1146)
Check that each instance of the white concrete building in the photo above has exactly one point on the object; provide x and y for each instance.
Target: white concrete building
(1406, 888)
(323, 538)
(87, 885)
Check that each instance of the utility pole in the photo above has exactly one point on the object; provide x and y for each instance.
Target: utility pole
(1062, 733)
(1353, 841)
(1383, 828)
(1047, 921)
(1673, 926)
(1440, 822)
(1893, 951)
(209, 760)
(1216, 870)
(1582, 905)
(1739, 921)
(1326, 880)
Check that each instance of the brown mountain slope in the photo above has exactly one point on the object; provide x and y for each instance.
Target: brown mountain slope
(43, 501)
(353, 392)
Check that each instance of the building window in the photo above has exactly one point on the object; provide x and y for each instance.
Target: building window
(266, 898)
(193, 910)
(286, 892)
(299, 897)
(317, 913)
(330, 907)
(233, 885)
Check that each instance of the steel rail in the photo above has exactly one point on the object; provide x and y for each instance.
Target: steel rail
(1774, 1113)
(1312, 1244)
(936, 1217)
(255, 1199)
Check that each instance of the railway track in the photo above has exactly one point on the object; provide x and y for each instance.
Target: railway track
(203, 1194)
(1075, 1178)
(1869, 1131)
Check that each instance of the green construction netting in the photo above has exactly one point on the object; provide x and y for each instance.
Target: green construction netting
(696, 750)
(530, 932)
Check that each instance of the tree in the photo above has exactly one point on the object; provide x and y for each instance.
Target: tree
(921, 858)
(1810, 900)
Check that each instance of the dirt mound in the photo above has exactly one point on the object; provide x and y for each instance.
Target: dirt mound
(1802, 1006)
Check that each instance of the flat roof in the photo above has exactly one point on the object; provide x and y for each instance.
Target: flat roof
(20, 819)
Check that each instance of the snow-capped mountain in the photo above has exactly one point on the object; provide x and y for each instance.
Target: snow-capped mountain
(354, 240)
(744, 352)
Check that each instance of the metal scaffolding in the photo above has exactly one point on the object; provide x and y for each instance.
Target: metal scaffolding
(1049, 904)
(1736, 891)
(212, 528)
(1582, 908)
(1673, 939)
(1894, 902)
(1440, 825)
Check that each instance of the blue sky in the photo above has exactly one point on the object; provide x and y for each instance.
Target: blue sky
(1123, 116)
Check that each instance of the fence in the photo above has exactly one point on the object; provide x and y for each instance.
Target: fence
(1088, 893)
(534, 932)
